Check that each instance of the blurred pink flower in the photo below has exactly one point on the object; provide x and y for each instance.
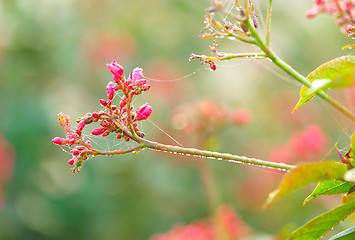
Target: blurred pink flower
(101, 46)
(302, 145)
(281, 154)
(226, 224)
(7, 162)
(308, 142)
(241, 116)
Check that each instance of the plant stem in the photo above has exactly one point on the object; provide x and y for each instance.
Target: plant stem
(296, 75)
(227, 56)
(144, 143)
(268, 23)
(212, 155)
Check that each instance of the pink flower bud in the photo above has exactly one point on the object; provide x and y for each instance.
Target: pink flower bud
(136, 74)
(80, 127)
(98, 131)
(110, 90)
(241, 117)
(123, 102)
(59, 141)
(116, 69)
(75, 152)
(95, 114)
(105, 134)
(143, 112)
(103, 102)
(213, 66)
(71, 141)
(71, 161)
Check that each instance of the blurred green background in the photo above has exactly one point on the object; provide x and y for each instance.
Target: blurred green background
(52, 59)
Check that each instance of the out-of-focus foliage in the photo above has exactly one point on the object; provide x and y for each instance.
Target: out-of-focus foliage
(52, 59)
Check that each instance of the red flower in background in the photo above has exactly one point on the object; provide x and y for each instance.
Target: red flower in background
(226, 224)
(302, 145)
(7, 160)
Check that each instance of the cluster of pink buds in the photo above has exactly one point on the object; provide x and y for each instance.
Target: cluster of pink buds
(120, 119)
(134, 85)
(343, 10)
(82, 150)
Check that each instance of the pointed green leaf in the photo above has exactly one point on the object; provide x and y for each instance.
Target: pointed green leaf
(348, 234)
(352, 151)
(329, 187)
(305, 174)
(339, 72)
(320, 225)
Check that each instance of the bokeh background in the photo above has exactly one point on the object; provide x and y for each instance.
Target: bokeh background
(52, 59)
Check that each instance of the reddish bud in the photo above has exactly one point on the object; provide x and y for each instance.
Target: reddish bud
(143, 112)
(98, 131)
(110, 90)
(80, 127)
(95, 114)
(59, 141)
(116, 69)
(71, 161)
(103, 102)
(71, 141)
(123, 101)
(136, 74)
(75, 152)
(105, 134)
(213, 66)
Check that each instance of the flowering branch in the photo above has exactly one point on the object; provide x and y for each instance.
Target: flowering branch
(122, 122)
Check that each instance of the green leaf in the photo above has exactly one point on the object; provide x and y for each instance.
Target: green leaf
(329, 187)
(348, 234)
(352, 147)
(337, 73)
(305, 174)
(320, 225)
